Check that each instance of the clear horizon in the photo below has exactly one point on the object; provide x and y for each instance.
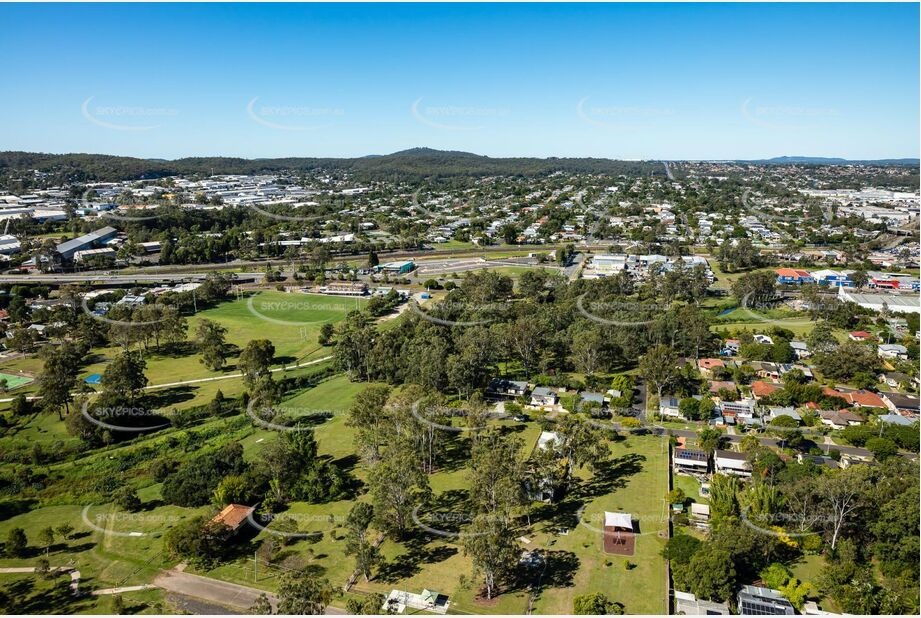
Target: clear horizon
(633, 82)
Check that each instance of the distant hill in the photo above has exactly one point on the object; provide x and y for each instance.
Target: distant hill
(836, 161)
(412, 163)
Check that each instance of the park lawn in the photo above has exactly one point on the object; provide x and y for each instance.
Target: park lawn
(797, 326)
(290, 321)
(104, 560)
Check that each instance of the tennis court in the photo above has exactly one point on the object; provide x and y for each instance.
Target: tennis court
(15, 381)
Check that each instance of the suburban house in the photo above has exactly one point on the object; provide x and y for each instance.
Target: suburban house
(901, 404)
(546, 488)
(233, 516)
(800, 350)
(765, 369)
(895, 419)
(730, 462)
(691, 461)
(589, 400)
(717, 385)
(793, 276)
(669, 407)
(707, 365)
(757, 601)
(892, 350)
(775, 413)
(687, 604)
(762, 389)
(894, 379)
(543, 396)
(731, 347)
(839, 419)
(740, 409)
(819, 460)
(862, 399)
(860, 335)
(502, 388)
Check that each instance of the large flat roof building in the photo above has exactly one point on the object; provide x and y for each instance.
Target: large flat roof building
(88, 241)
(897, 303)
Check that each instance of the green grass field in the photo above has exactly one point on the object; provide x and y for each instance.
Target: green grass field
(15, 381)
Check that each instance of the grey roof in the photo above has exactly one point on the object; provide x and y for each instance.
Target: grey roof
(731, 455)
(596, 397)
(502, 384)
(80, 241)
(542, 391)
(901, 401)
(895, 419)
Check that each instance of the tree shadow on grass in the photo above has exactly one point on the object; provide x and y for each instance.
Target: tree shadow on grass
(164, 398)
(558, 571)
(454, 454)
(420, 550)
(609, 477)
(58, 599)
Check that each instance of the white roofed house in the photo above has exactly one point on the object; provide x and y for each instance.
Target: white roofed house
(892, 350)
(800, 350)
(732, 463)
(669, 406)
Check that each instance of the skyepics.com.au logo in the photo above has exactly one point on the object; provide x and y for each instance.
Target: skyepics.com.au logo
(619, 527)
(106, 523)
(142, 322)
(288, 525)
(292, 117)
(452, 524)
(784, 117)
(621, 117)
(260, 307)
(483, 313)
(786, 524)
(789, 220)
(128, 213)
(455, 117)
(758, 307)
(275, 417)
(620, 313)
(125, 117)
(441, 417)
(126, 419)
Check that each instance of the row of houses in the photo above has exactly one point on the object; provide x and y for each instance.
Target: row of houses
(750, 601)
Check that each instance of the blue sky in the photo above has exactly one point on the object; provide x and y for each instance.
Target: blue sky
(633, 81)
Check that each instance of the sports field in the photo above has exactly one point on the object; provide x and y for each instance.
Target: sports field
(14, 381)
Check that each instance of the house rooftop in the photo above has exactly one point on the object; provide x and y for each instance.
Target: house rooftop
(233, 515)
